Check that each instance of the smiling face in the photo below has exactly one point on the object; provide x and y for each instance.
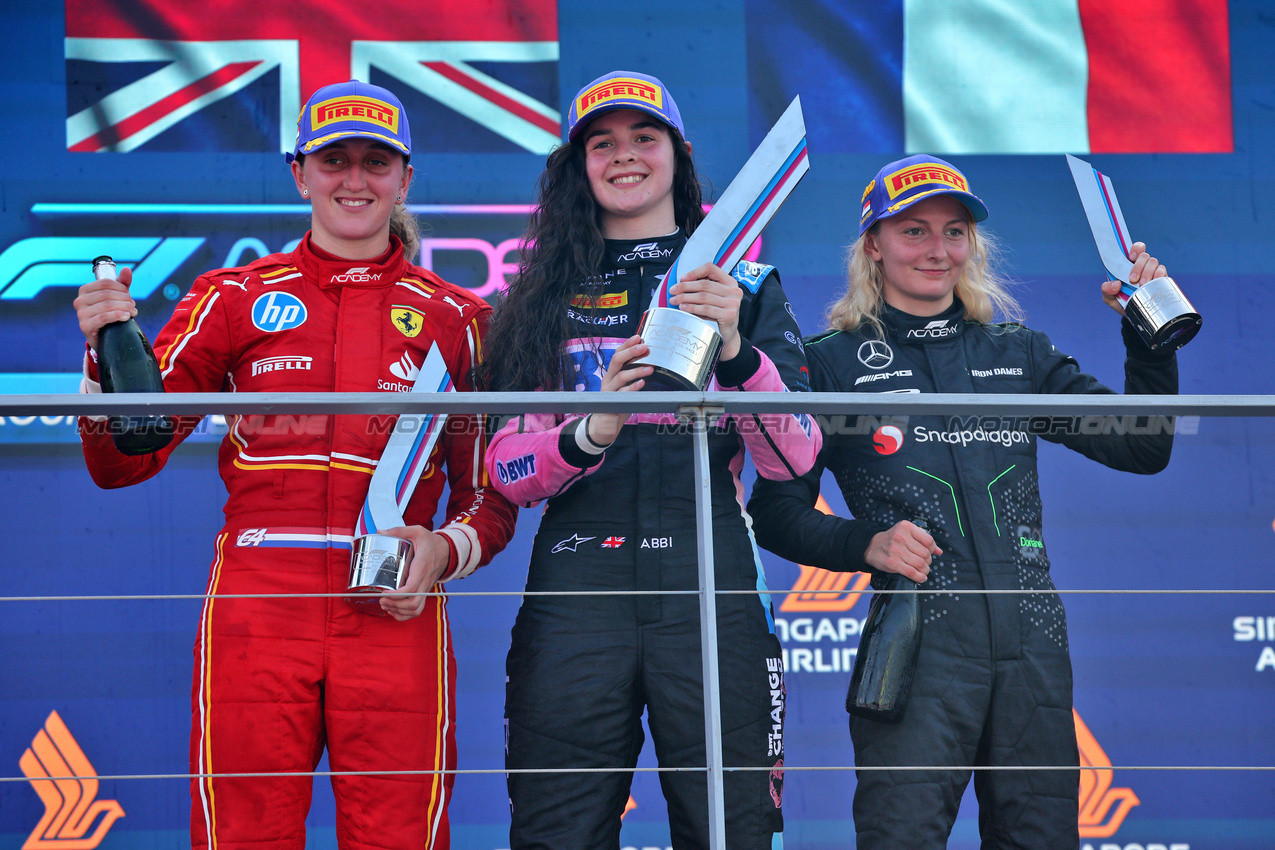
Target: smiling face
(352, 185)
(922, 252)
(630, 164)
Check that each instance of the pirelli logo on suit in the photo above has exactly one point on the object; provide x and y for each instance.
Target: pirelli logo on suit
(609, 301)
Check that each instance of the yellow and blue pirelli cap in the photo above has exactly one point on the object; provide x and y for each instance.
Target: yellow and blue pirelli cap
(622, 90)
(902, 183)
(351, 110)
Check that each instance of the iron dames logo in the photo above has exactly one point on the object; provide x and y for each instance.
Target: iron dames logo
(278, 311)
(921, 175)
(876, 354)
(67, 784)
(367, 109)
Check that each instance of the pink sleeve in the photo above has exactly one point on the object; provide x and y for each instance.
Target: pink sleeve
(782, 445)
(525, 458)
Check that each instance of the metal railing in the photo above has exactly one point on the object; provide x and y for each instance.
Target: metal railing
(697, 410)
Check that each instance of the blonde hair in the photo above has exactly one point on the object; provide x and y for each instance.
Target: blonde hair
(983, 290)
(404, 225)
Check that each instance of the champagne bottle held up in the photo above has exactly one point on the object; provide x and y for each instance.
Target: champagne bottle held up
(126, 364)
(888, 648)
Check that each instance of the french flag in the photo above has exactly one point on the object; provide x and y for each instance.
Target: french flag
(997, 77)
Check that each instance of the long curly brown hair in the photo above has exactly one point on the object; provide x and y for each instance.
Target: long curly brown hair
(562, 247)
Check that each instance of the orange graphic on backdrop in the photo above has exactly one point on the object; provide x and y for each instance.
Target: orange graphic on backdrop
(1096, 794)
(803, 597)
(70, 804)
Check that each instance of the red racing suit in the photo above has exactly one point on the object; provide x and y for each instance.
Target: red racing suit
(278, 679)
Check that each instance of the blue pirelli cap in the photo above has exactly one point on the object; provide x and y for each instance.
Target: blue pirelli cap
(622, 90)
(351, 110)
(902, 183)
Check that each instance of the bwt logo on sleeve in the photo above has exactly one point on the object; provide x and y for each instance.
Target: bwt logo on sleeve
(278, 311)
(516, 469)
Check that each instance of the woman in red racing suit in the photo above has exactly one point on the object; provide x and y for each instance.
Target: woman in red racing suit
(278, 679)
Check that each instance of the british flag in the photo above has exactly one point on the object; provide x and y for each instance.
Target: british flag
(613, 542)
(170, 75)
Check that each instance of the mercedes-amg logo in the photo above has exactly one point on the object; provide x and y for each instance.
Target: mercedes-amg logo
(875, 354)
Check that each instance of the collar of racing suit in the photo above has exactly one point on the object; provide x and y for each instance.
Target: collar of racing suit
(944, 327)
(330, 271)
(632, 253)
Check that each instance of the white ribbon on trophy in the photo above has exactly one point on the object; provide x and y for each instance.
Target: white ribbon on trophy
(1158, 310)
(684, 347)
(378, 562)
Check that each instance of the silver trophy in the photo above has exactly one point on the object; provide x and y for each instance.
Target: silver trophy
(1157, 309)
(379, 562)
(684, 348)
(1162, 315)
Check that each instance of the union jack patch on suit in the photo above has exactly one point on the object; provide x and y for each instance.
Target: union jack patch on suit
(613, 542)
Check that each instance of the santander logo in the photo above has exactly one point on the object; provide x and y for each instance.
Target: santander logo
(888, 439)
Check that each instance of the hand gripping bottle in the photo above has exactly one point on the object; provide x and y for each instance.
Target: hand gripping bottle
(888, 647)
(126, 364)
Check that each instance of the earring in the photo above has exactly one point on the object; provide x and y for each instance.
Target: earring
(399, 199)
(305, 191)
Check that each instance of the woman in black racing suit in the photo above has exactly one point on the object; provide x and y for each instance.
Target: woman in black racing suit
(616, 204)
(993, 680)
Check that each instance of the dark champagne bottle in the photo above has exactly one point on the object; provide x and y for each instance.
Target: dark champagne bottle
(888, 647)
(126, 364)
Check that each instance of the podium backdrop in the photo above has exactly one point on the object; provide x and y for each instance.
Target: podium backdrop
(152, 130)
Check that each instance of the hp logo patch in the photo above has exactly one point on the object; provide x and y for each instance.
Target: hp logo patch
(278, 311)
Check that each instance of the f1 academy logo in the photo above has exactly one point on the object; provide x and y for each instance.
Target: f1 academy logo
(937, 329)
(358, 274)
(646, 251)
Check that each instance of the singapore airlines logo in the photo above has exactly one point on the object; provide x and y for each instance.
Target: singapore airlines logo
(822, 590)
(1097, 797)
(70, 804)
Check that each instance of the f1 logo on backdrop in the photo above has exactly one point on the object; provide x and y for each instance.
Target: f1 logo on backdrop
(67, 784)
(31, 265)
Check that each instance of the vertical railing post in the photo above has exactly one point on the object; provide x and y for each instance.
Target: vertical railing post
(698, 417)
